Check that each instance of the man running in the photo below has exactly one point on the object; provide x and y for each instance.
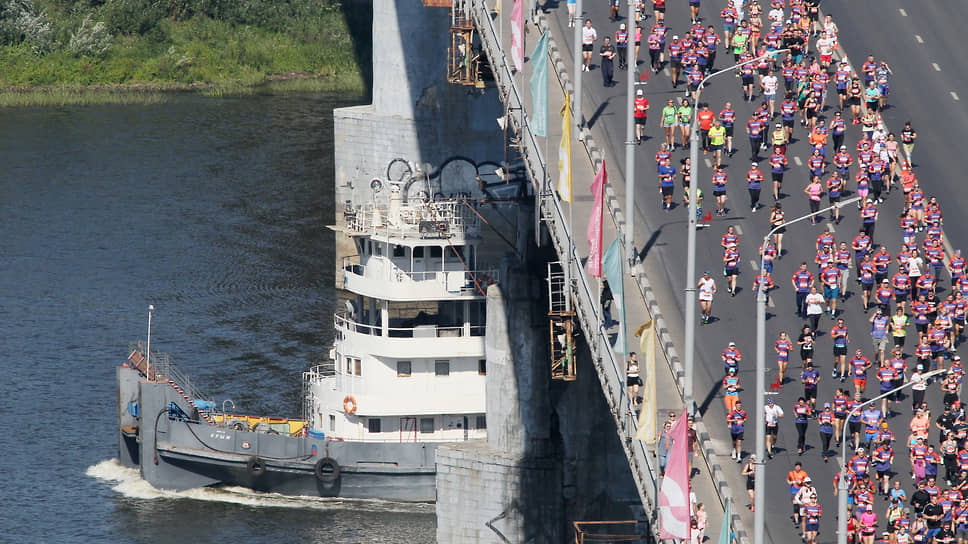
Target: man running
(707, 288)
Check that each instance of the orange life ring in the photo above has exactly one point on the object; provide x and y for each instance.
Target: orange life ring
(349, 404)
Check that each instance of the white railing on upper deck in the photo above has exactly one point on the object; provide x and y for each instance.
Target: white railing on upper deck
(447, 218)
(455, 281)
(420, 331)
(606, 362)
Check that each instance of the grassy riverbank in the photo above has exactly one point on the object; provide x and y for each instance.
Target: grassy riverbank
(56, 52)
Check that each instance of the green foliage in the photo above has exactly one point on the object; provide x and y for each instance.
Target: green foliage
(132, 16)
(217, 46)
(21, 23)
(91, 39)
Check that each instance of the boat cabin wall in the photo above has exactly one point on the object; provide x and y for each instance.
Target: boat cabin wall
(128, 411)
(417, 259)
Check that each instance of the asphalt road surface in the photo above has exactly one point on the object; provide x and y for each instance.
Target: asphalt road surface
(922, 46)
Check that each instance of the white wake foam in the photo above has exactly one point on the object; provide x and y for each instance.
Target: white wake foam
(129, 483)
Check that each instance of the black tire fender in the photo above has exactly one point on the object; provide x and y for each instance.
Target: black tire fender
(327, 471)
(256, 467)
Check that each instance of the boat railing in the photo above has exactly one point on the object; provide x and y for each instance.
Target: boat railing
(422, 219)
(319, 372)
(421, 331)
(163, 366)
(445, 278)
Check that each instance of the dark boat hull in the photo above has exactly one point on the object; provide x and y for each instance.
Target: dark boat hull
(179, 455)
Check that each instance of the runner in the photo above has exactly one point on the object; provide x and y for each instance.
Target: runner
(728, 118)
(772, 413)
(782, 346)
(825, 422)
(668, 125)
(908, 138)
(778, 164)
(801, 416)
(707, 288)
(641, 104)
(717, 140)
(684, 118)
(776, 225)
(588, 39)
(754, 183)
(841, 338)
(754, 129)
(736, 419)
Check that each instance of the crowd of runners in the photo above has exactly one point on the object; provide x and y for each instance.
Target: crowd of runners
(803, 90)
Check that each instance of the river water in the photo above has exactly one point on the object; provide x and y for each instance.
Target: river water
(213, 210)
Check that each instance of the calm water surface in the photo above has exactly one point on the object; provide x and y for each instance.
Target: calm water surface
(213, 210)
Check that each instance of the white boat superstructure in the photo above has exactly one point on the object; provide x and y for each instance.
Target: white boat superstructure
(409, 362)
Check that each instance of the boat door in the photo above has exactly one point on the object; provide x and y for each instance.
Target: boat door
(466, 431)
(419, 261)
(408, 429)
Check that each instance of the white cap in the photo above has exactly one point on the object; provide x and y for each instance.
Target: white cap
(731, 344)
(676, 37)
(638, 92)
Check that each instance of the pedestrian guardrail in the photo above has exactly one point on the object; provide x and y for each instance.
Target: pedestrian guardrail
(606, 363)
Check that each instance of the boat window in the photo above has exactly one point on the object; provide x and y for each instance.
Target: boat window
(353, 366)
(435, 252)
(426, 425)
(373, 424)
(482, 367)
(399, 251)
(418, 253)
(332, 423)
(378, 249)
(455, 252)
(442, 368)
(481, 422)
(403, 369)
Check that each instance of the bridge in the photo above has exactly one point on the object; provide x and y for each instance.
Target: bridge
(483, 86)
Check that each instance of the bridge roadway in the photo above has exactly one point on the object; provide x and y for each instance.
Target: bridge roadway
(920, 92)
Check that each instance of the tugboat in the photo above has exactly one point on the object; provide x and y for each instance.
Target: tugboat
(407, 374)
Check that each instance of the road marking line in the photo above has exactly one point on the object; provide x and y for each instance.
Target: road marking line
(754, 265)
(935, 66)
(798, 161)
(769, 302)
(709, 163)
(831, 226)
(903, 13)
(666, 72)
(954, 95)
(918, 38)
(738, 229)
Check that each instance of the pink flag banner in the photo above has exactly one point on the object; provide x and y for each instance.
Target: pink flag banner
(595, 224)
(517, 35)
(674, 494)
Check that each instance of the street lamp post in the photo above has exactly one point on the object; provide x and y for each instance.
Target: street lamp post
(579, 66)
(759, 515)
(630, 144)
(842, 483)
(687, 381)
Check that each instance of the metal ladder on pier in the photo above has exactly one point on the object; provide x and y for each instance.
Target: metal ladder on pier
(561, 325)
(607, 367)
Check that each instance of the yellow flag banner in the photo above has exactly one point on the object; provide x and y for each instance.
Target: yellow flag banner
(647, 425)
(564, 153)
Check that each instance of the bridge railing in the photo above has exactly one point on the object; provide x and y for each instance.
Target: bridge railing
(605, 360)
